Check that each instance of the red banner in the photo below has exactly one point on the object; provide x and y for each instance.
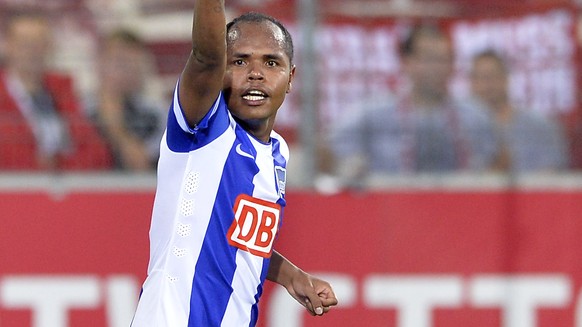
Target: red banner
(405, 258)
(438, 258)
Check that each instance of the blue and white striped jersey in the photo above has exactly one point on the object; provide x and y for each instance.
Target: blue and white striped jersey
(218, 206)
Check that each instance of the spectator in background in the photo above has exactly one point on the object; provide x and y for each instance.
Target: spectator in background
(42, 126)
(424, 130)
(131, 121)
(528, 142)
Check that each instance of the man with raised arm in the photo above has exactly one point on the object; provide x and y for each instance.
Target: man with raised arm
(221, 181)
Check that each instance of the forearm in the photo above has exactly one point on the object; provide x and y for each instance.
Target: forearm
(208, 31)
(281, 270)
(314, 294)
(202, 78)
(129, 148)
(110, 111)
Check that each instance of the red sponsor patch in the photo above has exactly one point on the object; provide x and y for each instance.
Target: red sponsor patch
(255, 225)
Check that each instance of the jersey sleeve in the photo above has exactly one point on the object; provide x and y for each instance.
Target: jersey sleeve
(181, 118)
(182, 137)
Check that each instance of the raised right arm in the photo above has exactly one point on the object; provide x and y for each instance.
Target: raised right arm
(202, 77)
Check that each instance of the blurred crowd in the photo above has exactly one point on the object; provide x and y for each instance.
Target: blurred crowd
(426, 130)
(47, 124)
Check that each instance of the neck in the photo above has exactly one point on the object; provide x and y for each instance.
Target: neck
(261, 130)
(428, 100)
(503, 113)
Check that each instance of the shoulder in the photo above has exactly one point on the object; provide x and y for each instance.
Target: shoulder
(279, 141)
(371, 111)
(378, 106)
(469, 104)
(536, 120)
(217, 112)
(181, 137)
(471, 109)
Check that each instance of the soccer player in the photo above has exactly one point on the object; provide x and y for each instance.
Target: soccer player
(221, 181)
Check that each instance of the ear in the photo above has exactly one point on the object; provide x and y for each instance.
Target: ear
(291, 76)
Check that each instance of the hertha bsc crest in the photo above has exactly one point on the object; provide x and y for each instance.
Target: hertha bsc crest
(281, 176)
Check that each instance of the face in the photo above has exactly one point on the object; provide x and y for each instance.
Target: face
(489, 81)
(430, 65)
(258, 74)
(123, 66)
(28, 45)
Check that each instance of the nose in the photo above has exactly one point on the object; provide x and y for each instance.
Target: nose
(255, 72)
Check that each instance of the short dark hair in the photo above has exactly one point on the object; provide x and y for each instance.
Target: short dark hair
(408, 45)
(10, 17)
(126, 36)
(255, 17)
(494, 55)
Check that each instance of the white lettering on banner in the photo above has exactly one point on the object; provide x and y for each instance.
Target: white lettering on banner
(414, 298)
(541, 53)
(121, 300)
(51, 297)
(360, 63)
(520, 296)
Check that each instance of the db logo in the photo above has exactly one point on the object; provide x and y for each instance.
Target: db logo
(255, 225)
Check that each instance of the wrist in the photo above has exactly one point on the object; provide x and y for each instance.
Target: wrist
(289, 275)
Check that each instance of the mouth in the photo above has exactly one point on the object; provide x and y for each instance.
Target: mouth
(255, 97)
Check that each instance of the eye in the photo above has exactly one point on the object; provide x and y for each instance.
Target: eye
(238, 62)
(272, 63)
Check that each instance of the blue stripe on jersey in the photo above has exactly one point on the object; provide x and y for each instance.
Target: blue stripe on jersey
(216, 265)
(180, 141)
